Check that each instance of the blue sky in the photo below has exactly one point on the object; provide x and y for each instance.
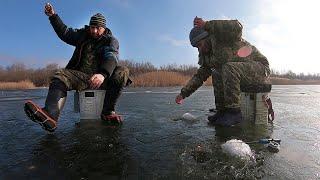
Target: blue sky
(155, 31)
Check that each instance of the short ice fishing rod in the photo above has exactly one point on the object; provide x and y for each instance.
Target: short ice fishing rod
(273, 145)
(265, 141)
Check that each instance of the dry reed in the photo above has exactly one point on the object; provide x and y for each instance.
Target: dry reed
(286, 81)
(27, 84)
(162, 79)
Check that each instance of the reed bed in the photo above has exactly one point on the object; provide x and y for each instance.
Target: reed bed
(162, 79)
(286, 81)
(26, 84)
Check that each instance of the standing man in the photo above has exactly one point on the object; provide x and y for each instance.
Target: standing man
(93, 65)
(232, 62)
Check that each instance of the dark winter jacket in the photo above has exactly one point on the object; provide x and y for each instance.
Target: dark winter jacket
(107, 53)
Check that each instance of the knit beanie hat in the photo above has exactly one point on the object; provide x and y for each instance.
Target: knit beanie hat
(197, 34)
(98, 20)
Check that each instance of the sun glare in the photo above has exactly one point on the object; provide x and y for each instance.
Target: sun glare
(287, 33)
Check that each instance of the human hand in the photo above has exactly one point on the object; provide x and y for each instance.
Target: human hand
(96, 80)
(48, 10)
(198, 22)
(179, 99)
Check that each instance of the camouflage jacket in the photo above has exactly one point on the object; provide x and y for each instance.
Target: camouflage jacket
(221, 53)
(106, 49)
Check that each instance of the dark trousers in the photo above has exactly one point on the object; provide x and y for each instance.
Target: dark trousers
(231, 76)
(66, 80)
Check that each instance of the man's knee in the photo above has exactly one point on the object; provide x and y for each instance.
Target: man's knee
(230, 69)
(72, 79)
(60, 76)
(120, 76)
(56, 83)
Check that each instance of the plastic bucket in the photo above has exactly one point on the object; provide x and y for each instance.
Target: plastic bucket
(254, 108)
(90, 103)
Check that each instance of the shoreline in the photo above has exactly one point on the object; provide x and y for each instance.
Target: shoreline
(19, 86)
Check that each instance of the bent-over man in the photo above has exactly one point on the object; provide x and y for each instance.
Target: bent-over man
(232, 62)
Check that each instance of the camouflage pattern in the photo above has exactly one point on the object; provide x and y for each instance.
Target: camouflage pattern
(73, 79)
(218, 89)
(229, 31)
(119, 78)
(234, 75)
(77, 80)
(230, 70)
(196, 81)
(88, 63)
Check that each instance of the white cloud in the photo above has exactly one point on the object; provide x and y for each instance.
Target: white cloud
(224, 17)
(172, 41)
(288, 34)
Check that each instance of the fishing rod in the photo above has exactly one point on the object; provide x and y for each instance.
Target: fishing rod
(273, 145)
(265, 141)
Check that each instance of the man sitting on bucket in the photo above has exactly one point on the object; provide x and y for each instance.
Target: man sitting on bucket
(232, 62)
(93, 65)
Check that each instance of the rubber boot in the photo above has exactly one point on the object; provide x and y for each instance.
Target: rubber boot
(214, 117)
(48, 116)
(108, 114)
(229, 117)
(56, 98)
(40, 116)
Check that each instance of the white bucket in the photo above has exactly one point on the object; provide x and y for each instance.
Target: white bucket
(90, 103)
(254, 108)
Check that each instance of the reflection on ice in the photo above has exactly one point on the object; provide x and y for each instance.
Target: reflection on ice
(3, 99)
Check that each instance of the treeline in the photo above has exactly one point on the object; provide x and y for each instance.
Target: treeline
(138, 68)
(292, 75)
(18, 72)
(140, 71)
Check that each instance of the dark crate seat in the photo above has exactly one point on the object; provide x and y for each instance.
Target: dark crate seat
(256, 88)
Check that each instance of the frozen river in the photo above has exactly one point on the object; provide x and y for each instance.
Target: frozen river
(155, 143)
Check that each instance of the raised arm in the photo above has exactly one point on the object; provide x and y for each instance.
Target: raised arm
(68, 35)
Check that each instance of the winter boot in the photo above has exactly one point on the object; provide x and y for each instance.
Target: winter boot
(48, 116)
(229, 117)
(214, 117)
(111, 118)
(213, 110)
(108, 114)
(39, 115)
